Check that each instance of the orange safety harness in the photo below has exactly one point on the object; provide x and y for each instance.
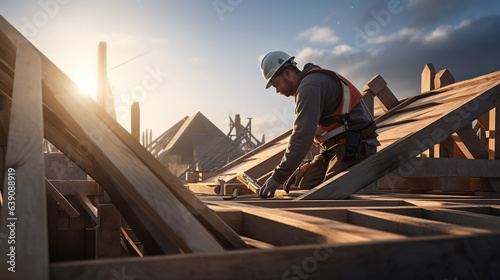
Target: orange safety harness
(336, 123)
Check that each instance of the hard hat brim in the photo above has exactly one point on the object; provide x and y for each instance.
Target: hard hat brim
(268, 85)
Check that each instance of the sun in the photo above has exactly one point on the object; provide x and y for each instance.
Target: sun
(87, 85)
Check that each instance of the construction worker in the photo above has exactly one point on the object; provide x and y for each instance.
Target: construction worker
(329, 111)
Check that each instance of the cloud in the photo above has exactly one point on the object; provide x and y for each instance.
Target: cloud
(468, 50)
(405, 34)
(429, 11)
(442, 32)
(319, 35)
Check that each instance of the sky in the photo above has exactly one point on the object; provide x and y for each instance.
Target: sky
(177, 58)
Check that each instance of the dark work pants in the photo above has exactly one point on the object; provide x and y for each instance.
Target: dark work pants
(321, 171)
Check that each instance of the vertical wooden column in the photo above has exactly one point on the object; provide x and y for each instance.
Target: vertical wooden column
(108, 232)
(135, 129)
(427, 77)
(26, 222)
(427, 84)
(493, 140)
(4, 128)
(368, 98)
(494, 143)
(443, 78)
(102, 75)
(447, 147)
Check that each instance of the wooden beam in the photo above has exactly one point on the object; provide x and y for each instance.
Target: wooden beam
(449, 167)
(410, 226)
(4, 128)
(493, 140)
(132, 248)
(443, 78)
(405, 150)
(472, 142)
(421, 258)
(377, 87)
(463, 218)
(25, 222)
(427, 78)
(368, 98)
(61, 200)
(135, 129)
(386, 99)
(72, 187)
(102, 75)
(256, 243)
(108, 229)
(88, 206)
(267, 226)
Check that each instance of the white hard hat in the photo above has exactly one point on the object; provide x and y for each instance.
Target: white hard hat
(272, 62)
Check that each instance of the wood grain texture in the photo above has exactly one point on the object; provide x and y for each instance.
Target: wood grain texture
(24, 159)
(99, 142)
(422, 258)
(61, 200)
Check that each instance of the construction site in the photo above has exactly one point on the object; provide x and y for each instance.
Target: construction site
(84, 198)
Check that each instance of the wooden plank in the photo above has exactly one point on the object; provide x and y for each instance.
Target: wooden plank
(232, 217)
(448, 167)
(407, 148)
(135, 129)
(102, 75)
(264, 225)
(256, 243)
(420, 258)
(463, 218)
(132, 248)
(472, 142)
(26, 255)
(108, 230)
(4, 128)
(376, 84)
(275, 203)
(61, 200)
(410, 226)
(88, 206)
(493, 140)
(72, 187)
(386, 99)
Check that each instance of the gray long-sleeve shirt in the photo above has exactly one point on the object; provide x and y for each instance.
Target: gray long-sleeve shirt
(318, 95)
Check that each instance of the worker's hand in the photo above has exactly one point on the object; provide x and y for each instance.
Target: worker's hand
(269, 186)
(296, 177)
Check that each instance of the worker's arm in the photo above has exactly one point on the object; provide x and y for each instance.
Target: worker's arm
(308, 107)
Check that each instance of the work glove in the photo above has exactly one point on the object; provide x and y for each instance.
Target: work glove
(269, 186)
(296, 177)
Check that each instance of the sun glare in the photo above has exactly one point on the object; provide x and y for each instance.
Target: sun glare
(87, 85)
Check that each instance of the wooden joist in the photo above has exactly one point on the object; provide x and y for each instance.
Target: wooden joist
(420, 258)
(266, 225)
(441, 240)
(25, 252)
(406, 225)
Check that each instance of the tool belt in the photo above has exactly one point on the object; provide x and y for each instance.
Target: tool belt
(352, 140)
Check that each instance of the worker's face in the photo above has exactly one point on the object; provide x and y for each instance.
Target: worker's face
(283, 84)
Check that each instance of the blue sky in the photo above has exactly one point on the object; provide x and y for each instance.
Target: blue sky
(204, 55)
